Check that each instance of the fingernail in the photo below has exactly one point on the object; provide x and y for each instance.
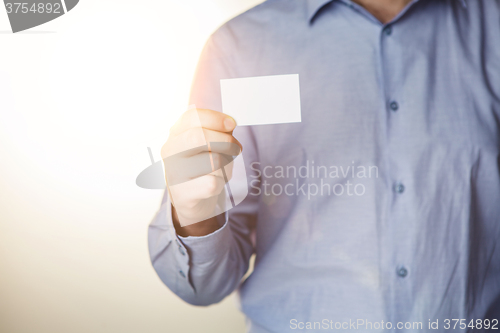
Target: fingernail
(229, 123)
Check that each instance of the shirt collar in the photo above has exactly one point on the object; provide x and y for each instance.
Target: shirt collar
(313, 6)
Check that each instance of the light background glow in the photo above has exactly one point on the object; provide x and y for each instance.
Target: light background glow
(81, 98)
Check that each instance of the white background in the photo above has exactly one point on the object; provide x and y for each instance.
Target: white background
(81, 99)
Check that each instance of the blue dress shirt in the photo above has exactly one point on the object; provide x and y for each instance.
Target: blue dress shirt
(418, 100)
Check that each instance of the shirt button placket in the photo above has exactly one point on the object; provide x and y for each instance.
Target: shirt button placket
(398, 254)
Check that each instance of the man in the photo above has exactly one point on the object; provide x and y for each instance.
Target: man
(409, 87)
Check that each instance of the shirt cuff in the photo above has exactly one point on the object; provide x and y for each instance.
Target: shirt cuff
(204, 249)
(197, 249)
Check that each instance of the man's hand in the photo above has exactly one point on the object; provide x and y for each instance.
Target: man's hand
(199, 145)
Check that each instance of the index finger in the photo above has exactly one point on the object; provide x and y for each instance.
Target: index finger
(209, 119)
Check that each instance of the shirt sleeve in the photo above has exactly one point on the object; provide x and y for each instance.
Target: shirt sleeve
(204, 270)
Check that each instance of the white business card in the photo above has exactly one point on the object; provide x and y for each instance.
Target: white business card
(262, 100)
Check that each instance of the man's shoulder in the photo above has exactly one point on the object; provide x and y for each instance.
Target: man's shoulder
(270, 11)
(272, 17)
(477, 16)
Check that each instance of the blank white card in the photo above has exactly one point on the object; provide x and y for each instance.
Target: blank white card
(262, 100)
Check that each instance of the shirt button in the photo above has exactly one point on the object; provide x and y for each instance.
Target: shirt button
(402, 272)
(394, 106)
(182, 274)
(399, 188)
(181, 250)
(388, 30)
